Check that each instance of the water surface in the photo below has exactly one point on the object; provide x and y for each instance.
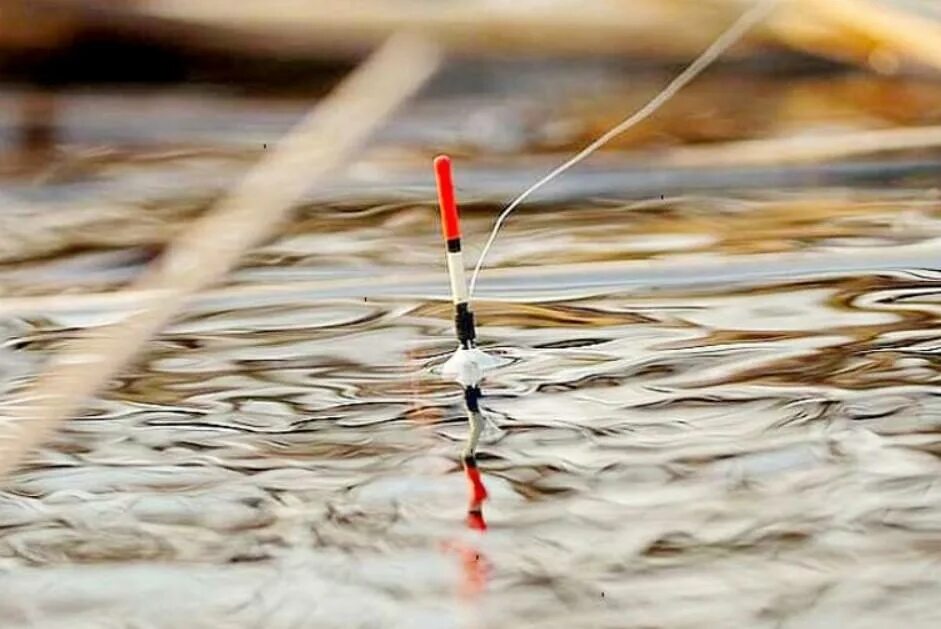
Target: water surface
(673, 445)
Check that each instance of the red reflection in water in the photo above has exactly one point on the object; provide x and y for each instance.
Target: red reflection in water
(474, 565)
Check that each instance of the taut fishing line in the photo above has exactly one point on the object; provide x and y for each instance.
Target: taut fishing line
(755, 14)
(468, 364)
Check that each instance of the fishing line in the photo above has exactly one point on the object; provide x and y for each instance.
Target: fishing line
(748, 20)
(468, 364)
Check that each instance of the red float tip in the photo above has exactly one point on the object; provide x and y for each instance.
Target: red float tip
(450, 225)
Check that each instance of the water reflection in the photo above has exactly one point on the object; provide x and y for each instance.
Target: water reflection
(474, 564)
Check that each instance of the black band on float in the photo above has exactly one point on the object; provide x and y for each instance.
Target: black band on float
(454, 245)
(472, 398)
(464, 325)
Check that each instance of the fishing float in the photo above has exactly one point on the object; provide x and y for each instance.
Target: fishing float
(468, 364)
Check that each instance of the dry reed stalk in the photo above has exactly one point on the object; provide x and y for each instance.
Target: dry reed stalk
(854, 30)
(900, 31)
(840, 28)
(315, 148)
(637, 27)
(800, 149)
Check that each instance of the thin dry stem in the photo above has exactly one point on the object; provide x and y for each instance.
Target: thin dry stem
(327, 27)
(802, 149)
(317, 147)
(903, 32)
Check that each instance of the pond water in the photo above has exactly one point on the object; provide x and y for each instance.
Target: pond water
(718, 407)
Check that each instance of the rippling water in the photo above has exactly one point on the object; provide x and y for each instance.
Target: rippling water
(670, 446)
